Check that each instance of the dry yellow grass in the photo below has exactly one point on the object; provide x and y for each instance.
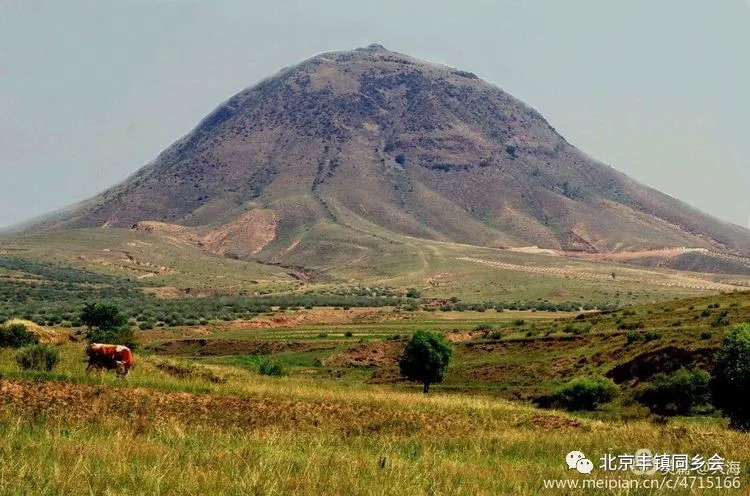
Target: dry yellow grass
(166, 433)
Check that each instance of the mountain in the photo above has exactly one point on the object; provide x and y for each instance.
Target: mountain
(348, 149)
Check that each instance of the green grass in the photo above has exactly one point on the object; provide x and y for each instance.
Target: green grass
(373, 257)
(515, 366)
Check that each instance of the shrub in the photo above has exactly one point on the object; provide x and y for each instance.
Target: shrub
(585, 393)
(348, 334)
(425, 358)
(323, 335)
(15, 336)
(578, 329)
(730, 385)
(484, 326)
(630, 326)
(413, 293)
(269, 367)
(651, 336)
(722, 320)
(495, 334)
(632, 336)
(706, 335)
(677, 394)
(38, 357)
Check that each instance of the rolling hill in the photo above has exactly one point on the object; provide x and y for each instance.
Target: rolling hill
(335, 159)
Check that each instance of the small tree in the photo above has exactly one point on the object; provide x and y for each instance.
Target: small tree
(425, 358)
(730, 385)
(102, 316)
(106, 324)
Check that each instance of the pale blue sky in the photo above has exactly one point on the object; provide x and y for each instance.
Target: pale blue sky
(91, 91)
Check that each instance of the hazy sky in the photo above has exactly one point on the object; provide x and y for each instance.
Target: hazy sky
(91, 91)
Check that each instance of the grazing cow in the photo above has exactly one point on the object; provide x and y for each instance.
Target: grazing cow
(110, 356)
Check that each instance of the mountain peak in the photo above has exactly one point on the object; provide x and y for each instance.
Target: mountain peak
(370, 139)
(373, 47)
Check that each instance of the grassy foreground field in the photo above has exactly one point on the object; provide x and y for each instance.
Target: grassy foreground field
(196, 417)
(177, 427)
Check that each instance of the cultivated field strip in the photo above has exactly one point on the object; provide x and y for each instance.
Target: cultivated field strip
(682, 282)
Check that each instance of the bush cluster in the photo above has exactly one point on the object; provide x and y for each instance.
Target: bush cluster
(15, 336)
(677, 394)
(39, 357)
(582, 393)
(270, 367)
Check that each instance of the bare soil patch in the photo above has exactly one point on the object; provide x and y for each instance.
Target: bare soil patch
(664, 360)
(225, 347)
(380, 354)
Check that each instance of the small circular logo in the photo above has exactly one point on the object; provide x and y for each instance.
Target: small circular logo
(572, 458)
(577, 460)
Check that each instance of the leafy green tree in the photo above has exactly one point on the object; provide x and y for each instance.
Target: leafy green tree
(425, 358)
(107, 324)
(730, 385)
(102, 316)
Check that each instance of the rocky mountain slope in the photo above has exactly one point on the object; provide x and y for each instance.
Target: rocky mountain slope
(346, 149)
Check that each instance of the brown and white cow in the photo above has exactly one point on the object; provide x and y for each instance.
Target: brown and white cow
(110, 356)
